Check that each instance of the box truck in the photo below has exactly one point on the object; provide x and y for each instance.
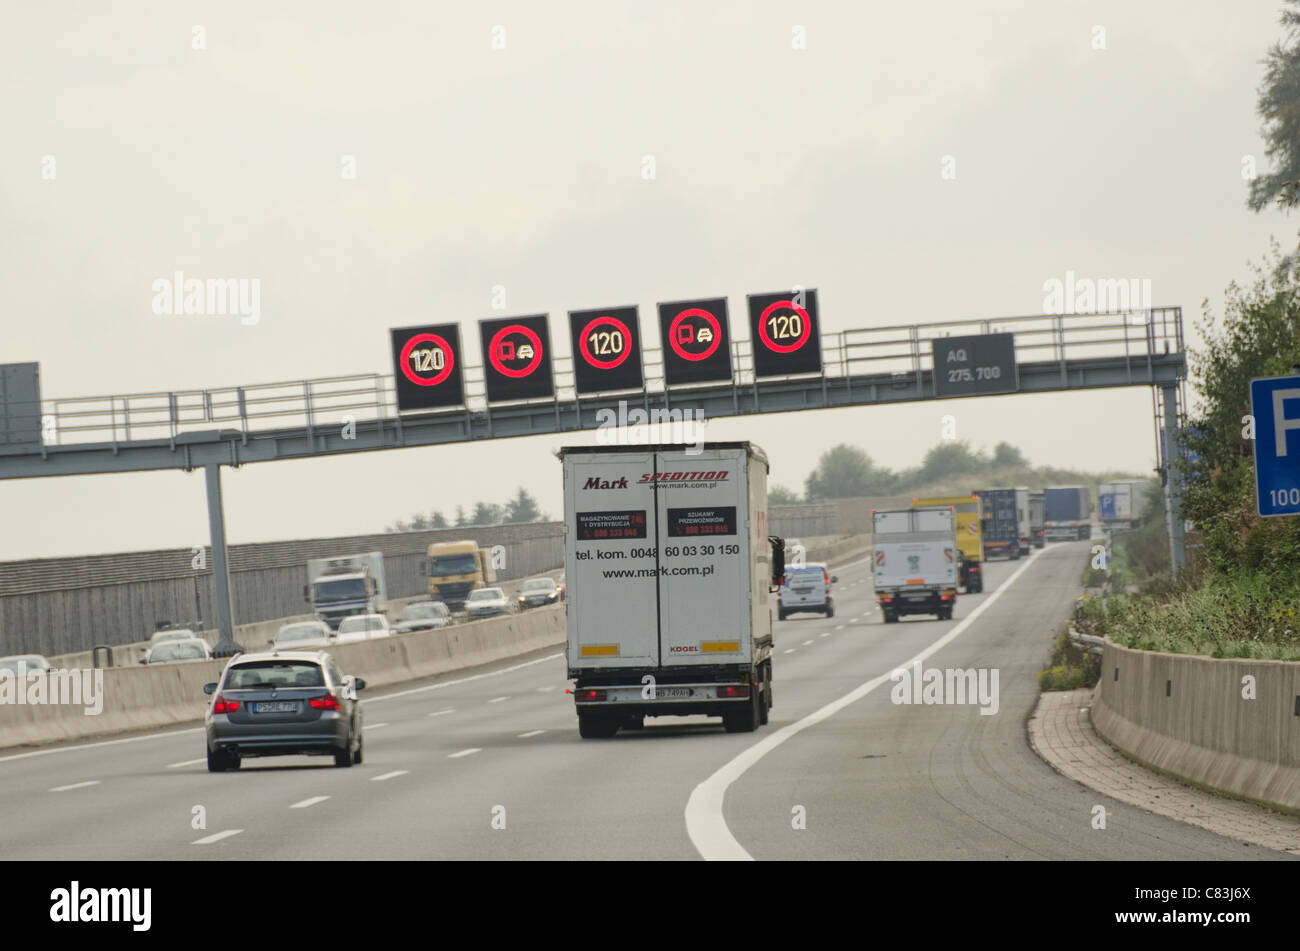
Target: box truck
(1068, 512)
(1000, 523)
(669, 567)
(345, 585)
(1119, 504)
(914, 561)
(970, 537)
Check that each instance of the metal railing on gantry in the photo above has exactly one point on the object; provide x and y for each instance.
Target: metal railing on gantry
(899, 352)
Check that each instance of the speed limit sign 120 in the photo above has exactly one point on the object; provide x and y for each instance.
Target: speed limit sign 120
(784, 334)
(606, 349)
(427, 366)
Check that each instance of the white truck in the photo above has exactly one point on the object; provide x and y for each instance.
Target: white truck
(1119, 504)
(669, 566)
(914, 561)
(349, 584)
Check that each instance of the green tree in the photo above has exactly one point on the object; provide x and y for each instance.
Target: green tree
(949, 459)
(1006, 455)
(487, 513)
(780, 495)
(1259, 336)
(1279, 108)
(461, 519)
(437, 520)
(523, 508)
(846, 472)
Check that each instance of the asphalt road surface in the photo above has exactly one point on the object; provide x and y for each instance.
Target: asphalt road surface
(488, 765)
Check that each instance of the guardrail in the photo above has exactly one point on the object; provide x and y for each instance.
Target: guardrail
(901, 351)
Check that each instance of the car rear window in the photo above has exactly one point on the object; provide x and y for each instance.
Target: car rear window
(277, 673)
(804, 574)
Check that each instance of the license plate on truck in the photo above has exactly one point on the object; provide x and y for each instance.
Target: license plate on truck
(662, 692)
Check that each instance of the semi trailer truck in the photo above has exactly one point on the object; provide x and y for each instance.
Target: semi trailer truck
(1000, 523)
(454, 569)
(669, 567)
(1119, 504)
(1068, 512)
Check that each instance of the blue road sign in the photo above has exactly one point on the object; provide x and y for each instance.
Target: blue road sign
(1275, 404)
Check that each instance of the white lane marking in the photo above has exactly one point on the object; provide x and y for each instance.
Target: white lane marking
(462, 680)
(546, 689)
(308, 802)
(216, 837)
(188, 762)
(807, 642)
(394, 773)
(442, 713)
(524, 736)
(88, 746)
(791, 650)
(705, 823)
(89, 782)
(826, 633)
(374, 726)
(853, 620)
(498, 699)
(839, 627)
(468, 752)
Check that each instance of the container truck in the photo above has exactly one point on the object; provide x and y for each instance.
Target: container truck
(454, 569)
(1036, 509)
(345, 585)
(1119, 504)
(1000, 523)
(669, 565)
(914, 561)
(1067, 512)
(970, 538)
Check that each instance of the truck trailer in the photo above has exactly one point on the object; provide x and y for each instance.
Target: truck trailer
(1119, 504)
(669, 567)
(1068, 512)
(914, 561)
(1000, 523)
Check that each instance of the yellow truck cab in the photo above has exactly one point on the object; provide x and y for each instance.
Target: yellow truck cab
(970, 536)
(454, 569)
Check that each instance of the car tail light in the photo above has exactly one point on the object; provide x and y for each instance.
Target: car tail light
(826, 576)
(591, 696)
(733, 691)
(222, 705)
(327, 702)
(885, 599)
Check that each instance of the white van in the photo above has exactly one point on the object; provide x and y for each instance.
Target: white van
(806, 588)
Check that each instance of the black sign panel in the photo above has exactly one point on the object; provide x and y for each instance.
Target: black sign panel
(602, 526)
(691, 522)
(427, 366)
(784, 333)
(974, 366)
(606, 349)
(697, 346)
(516, 357)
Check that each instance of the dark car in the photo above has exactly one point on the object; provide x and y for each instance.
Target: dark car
(283, 703)
(539, 591)
(422, 616)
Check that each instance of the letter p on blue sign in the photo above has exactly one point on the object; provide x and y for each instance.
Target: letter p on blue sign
(1275, 404)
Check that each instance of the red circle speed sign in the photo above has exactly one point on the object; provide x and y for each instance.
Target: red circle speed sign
(714, 327)
(620, 327)
(494, 351)
(805, 327)
(448, 359)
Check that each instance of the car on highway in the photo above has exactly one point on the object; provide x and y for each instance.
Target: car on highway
(303, 634)
(362, 627)
(806, 588)
(422, 616)
(486, 602)
(283, 703)
(537, 592)
(169, 634)
(25, 663)
(190, 650)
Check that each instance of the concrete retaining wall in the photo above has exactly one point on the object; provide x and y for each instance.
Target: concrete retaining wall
(162, 695)
(1185, 715)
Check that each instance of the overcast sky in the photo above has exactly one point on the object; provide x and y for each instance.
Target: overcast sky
(522, 167)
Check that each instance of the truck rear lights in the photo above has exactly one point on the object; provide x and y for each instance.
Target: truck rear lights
(222, 705)
(885, 599)
(590, 696)
(733, 691)
(327, 702)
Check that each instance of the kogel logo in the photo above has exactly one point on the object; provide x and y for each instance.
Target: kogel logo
(683, 649)
(595, 482)
(658, 477)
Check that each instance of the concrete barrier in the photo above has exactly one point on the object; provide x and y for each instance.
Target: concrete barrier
(1190, 717)
(148, 697)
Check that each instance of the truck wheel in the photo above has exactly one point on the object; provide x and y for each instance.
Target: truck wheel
(592, 727)
(890, 617)
(746, 720)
